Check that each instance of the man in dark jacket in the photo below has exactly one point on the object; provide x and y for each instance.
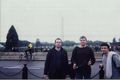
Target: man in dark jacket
(82, 58)
(56, 64)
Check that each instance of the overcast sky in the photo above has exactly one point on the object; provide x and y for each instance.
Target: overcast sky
(96, 19)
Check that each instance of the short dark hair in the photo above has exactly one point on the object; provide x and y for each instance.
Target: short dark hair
(83, 37)
(58, 39)
(105, 44)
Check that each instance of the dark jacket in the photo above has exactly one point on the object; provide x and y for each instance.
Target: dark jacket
(49, 63)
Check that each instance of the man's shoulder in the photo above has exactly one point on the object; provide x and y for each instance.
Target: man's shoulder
(76, 47)
(116, 59)
(88, 48)
(115, 54)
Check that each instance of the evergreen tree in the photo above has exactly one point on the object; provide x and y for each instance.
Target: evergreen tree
(12, 40)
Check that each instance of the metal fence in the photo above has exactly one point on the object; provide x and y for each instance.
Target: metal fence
(23, 74)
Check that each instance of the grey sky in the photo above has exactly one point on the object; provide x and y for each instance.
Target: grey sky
(96, 19)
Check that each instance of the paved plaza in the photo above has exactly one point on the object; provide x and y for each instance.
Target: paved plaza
(12, 69)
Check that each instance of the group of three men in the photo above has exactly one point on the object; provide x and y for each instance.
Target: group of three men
(56, 64)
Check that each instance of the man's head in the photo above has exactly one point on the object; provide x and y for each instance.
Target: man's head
(105, 48)
(83, 41)
(58, 42)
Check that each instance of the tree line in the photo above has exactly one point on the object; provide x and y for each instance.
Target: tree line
(13, 43)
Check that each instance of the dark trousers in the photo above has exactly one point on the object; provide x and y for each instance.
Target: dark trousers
(83, 72)
(57, 75)
(71, 71)
(28, 52)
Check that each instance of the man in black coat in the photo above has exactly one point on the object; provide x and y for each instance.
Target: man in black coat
(56, 64)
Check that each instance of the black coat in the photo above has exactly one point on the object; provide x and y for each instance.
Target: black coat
(49, 63)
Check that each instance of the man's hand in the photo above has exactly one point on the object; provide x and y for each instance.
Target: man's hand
(45, 76)
(74, 66)
(89, 63)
